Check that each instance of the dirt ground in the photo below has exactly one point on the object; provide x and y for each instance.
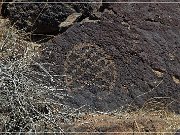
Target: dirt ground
(133, 123)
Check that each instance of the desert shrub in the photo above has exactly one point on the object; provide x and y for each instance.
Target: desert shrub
(24, 103)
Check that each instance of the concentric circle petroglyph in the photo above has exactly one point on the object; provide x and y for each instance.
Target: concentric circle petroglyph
(88, 65)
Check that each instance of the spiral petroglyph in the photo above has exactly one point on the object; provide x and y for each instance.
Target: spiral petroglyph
(88, 65)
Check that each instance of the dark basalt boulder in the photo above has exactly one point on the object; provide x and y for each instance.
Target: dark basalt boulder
(128, 58)
(143, 42)
(45, 18)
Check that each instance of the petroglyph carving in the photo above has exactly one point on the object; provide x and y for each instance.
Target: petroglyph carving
(88, 65)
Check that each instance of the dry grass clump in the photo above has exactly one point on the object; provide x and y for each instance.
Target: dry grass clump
(24, 104)
(138, 122)
(153, 118)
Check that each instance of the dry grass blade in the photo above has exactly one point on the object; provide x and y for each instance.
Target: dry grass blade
(24, 106)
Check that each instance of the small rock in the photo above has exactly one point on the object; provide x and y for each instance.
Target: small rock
(70, 20)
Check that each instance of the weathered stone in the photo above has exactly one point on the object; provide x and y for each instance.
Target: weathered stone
(45, 18)
(142, 40)
(70, 20)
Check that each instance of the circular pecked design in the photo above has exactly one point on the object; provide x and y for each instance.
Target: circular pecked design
(89, 66)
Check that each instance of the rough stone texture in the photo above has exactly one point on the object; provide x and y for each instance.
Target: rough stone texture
(45, 18)
(143, 42)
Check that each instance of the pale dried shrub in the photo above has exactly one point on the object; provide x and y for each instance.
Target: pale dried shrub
(24, 104)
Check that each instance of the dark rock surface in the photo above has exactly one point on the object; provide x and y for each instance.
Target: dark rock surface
(45, 18)
(141, 40)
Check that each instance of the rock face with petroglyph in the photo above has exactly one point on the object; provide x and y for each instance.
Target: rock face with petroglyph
(141, 45)
(137, 44)
(87, 65)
